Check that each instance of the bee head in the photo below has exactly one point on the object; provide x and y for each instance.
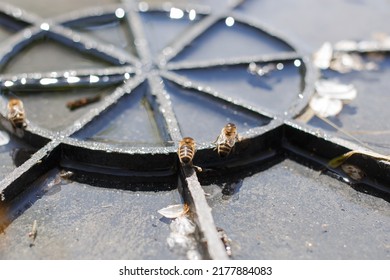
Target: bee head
(188, 141)
(230, 128)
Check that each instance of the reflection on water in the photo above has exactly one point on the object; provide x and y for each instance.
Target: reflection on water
(13, 155)
(112, 30)
(78, 221)
(48, 108)
(156, 25)
(220, 41)
(44, 56)
(130, 121)
(275, 91)
(202, 119)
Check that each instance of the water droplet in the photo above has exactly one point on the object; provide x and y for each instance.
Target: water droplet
(229, 21)
(176, 13)
(45, 26)
(72, 80)
(48, 81)
(143, 6)
(192, 14)
(8, 83)
(120, 13)
(297, 63)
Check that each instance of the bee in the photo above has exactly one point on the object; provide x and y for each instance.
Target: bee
(16, 113)
(186, 152)
(226, 140)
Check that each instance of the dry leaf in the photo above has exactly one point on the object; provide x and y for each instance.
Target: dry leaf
(174, 211)
(323, 56)
(335, 90)
(346, 46)
(325, 107)
(337, 161)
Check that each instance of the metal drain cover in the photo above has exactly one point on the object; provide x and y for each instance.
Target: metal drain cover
(152, 89)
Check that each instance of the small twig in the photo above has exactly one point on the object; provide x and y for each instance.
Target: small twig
(82, 102)
(343, 131)
(33, 233)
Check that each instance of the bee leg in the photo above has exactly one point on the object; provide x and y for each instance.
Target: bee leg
(215, 141)
(197, 168)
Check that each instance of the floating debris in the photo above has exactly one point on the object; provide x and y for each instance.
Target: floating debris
(380, 42)
(4, 138)
(225, 240)
(264, 70)
(336, 90)
(33, 233)
(346, 46)
(54, 186)
(82, 102)
(325, 107)
(174, 211)
(353, 171)
(330, 97)
(183, 225)
(347, 62)
(337, 161)
(66, 175)
(323, 56)
(181, 240)
(345, 56)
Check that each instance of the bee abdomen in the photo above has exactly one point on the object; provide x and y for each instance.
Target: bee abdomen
(224, 150)
(18, 121)
(186, 154)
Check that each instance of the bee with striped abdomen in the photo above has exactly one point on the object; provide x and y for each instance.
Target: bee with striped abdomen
(186, 152)
(226, 140)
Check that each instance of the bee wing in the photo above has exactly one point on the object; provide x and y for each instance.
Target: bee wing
(222, 139)
(172, 211)
(216, 140)
(231, 141)
(4, 138)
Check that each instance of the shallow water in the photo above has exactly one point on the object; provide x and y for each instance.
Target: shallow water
(78, 221)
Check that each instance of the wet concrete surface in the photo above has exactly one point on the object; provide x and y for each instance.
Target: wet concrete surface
(78, 221)
(292, 212)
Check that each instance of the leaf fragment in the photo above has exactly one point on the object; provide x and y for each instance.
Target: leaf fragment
(336, 90)
(323, 56)
(337, 161)
(174, 211)
(325, 107)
